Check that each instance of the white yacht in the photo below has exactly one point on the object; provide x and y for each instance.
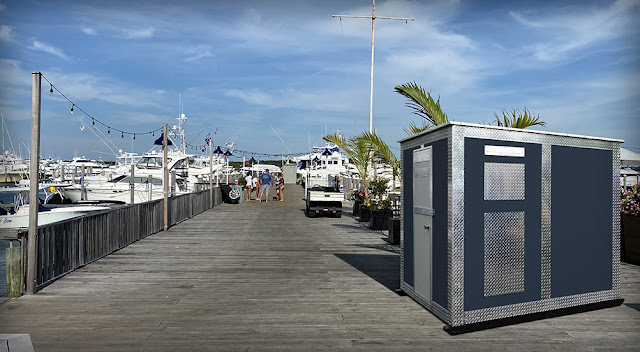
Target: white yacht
(117, 186)
(19, 215)
(12, 168)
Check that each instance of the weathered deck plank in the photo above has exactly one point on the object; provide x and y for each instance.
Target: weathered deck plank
(263, 277)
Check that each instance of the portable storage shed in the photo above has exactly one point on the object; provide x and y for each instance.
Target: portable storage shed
(500, 223)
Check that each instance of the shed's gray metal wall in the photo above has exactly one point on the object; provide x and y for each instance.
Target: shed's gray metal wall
(439, 230)
(518, 280)
(580, 221)
(553, 154)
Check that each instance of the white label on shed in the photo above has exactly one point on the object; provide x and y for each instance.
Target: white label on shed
(499, 150)
(421, 155)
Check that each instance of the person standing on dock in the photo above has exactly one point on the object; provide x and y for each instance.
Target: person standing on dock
(256, 184)
(265, 182)
(280, 187)
(249, 185)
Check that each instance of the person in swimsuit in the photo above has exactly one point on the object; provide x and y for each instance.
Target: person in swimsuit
(256, 184)
(280, 187)
(249, 185)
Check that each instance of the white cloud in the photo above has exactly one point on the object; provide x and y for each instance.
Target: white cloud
(89, 31)
(570, 29)
(12, 73)
(50, 49)
(6, 33)
(85, 86)
(444, 71)
(140, 33)
(328, 100)
(198, 52)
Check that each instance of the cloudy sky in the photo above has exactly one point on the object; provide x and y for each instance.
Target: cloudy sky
(245, 67)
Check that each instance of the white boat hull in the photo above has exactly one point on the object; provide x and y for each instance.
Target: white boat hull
(21, 218)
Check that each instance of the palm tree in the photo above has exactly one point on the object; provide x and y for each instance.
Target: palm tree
(415, 129)
(383, 153)
(516, 119)
(359, 152)
(423, 105)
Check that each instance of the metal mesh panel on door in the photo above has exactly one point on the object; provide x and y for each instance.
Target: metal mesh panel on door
(503, 181)
(503, 253)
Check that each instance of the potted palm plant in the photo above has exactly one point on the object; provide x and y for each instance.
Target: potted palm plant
(359, 153)
(630, 218)
(380, 205)
(357, 203)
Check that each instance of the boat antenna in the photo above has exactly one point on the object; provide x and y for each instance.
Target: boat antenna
(2, 132)
(13, 150)
(285, 144)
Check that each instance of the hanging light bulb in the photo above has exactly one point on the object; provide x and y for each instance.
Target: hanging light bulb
(51, 90)
(153, 133)
(122, 135)
(93, 122)
(108, 130)
(72, 108)
(134, 136)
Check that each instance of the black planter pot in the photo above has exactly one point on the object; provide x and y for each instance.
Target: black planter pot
(394, 231)
(365, 215)
(380, 219)
(356, 208)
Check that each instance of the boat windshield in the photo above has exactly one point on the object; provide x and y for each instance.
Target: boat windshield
(151, 162)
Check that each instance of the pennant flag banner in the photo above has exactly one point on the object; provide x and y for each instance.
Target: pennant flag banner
(159, 140)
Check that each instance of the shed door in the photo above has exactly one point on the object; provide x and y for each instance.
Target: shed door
(422, 220)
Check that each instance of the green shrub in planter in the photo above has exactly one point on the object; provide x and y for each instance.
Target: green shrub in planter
(630, 211)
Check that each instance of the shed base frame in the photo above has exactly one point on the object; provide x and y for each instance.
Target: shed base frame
(490, 324)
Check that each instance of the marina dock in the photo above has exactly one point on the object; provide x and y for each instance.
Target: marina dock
(264, 277)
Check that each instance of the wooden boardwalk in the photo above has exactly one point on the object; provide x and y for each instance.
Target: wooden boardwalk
(263, 277)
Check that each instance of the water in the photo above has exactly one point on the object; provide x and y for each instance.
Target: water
(3, 268)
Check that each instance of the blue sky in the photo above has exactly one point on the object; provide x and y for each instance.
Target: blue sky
(242, 66)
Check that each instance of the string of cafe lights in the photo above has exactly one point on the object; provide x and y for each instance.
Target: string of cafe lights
(93, 119)
(238, 153)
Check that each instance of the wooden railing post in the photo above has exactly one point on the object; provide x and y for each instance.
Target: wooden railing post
(34, 172)
(14, 271)
(165, 180)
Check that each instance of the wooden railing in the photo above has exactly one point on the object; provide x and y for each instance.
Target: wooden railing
(68, 245)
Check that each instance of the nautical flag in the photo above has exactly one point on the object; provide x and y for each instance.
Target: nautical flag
(206, 142)
(216, 131)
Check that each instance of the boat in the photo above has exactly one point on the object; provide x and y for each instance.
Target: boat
(147, 180)
(148, 174)
(18, 215)
(12, 168)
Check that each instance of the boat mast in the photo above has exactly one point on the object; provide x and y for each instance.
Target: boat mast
(373, 18)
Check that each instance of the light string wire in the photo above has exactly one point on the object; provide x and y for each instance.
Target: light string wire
(93, 119)
(123, 132)
(238, 153)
